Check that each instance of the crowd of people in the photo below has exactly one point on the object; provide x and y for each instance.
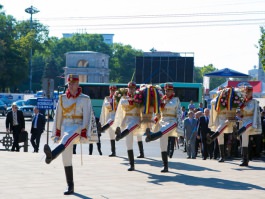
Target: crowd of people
(130, 112)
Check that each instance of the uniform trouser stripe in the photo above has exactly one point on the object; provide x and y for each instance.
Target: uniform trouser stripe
(111, 122)
(222, 129)
(71, 139)
(169, 129)
(133, 127)
(248, 125)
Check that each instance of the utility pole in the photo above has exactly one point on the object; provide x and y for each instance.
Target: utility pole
(31, 10)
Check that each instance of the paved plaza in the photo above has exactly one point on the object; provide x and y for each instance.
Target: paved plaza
(26, 175)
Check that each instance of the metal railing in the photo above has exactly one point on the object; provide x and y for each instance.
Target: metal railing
(7, 141)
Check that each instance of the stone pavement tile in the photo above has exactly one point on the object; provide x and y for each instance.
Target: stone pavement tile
(25, 175)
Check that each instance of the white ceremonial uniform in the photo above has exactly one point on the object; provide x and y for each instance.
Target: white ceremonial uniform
(251, 120)
(128, 117)
(107, 115)
(170, 123)
(72, 115)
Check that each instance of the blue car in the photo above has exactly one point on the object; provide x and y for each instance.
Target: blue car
(2, 108)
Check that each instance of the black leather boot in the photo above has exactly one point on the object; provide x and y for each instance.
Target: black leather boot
(120, 135)
(222, 153)
(51, 155)
(211, 138)
(113, 149)
(170, 146)
(165, 162)
(99, 129)
(241, 131)
(131, 160)
(244, 157)
(99, 148)
(90, 149)
(69, 179)
(141, 149)
(152, 136)
(105, 127)
(74, 149)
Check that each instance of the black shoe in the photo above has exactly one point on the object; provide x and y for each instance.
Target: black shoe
(140, 156)
(48, 152)
(118, 134)
(112, 155)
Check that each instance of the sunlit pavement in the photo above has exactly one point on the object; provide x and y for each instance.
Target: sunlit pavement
(26, 175)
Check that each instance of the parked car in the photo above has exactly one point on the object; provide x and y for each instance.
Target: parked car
(31, 101)
(26, 109)
(2, 108)
(19, 103)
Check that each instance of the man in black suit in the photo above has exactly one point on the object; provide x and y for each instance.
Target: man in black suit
(37, 128)
(203, 131)
(15, 123)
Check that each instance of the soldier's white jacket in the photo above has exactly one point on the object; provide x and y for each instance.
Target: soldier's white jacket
(171, 114)
(107, 111)
(251, 114)
(73, 114)
(127, 115)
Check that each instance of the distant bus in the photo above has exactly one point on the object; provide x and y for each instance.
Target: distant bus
(187, 92)
(97, 92)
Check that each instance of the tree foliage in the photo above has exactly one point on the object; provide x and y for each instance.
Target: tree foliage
(17, 38)
(214, 81)
(262, 47)
(122, 63)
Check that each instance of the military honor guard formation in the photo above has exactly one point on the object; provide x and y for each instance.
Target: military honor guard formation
(148, 113)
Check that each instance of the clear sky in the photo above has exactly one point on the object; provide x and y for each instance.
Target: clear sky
(219, 32)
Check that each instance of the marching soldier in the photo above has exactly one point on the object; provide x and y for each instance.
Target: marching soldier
(72, 124)
(170, 119)
(251, 122)
(107, 117)
(127, 120)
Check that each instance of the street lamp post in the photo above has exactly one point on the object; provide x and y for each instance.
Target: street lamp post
(31, 10)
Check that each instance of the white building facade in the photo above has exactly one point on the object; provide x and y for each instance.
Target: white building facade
(90, 66)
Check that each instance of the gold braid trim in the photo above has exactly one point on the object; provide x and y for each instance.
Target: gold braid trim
(68, 109)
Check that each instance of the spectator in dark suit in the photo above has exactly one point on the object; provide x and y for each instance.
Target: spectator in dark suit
(37, 128)
(203, 132)
(15, 123)
(263, 130)
(198, 114)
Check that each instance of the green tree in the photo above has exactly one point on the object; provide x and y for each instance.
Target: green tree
(12, 61)
(16, 40)
(214, 81)
(198, 77)
(262, 47)
(122, 62)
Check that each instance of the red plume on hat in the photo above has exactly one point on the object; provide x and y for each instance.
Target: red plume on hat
(248, 88)
(168, 86)
(72, 78)
(131, 84)
(113, 87)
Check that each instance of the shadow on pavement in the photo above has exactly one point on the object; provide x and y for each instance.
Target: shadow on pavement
(200, 181)
(172, 165)
(80, 196)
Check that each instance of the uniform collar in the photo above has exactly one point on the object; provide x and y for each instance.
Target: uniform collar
(69, 95)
